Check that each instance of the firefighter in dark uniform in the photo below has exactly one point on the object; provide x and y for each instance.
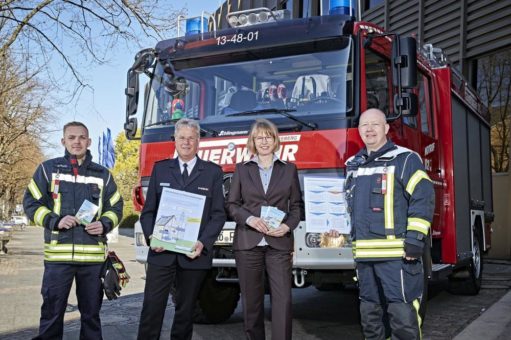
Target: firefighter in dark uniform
(391, 202)
(73, 250)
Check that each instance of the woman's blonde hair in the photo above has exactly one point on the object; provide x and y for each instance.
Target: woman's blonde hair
(268, 129)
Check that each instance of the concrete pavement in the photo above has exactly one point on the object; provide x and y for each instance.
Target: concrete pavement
(494, 323)
(20, 279)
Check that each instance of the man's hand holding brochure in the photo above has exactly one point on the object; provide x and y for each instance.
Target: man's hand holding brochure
(178, 222)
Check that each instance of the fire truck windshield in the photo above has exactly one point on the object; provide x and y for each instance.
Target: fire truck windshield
(308, 88)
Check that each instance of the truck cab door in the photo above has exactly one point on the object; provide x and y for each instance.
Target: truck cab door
(430, 148)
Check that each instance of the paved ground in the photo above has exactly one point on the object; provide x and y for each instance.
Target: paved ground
(20, 300)
(21, 272)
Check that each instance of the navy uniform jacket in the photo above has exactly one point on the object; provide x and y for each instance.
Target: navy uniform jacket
(55, 191)
(205, 179)
(391, 199)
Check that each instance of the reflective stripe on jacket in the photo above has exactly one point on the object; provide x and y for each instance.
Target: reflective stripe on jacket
(391, 200)
(54, 192)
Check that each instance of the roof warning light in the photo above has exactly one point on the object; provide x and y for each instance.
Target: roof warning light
(340, 7)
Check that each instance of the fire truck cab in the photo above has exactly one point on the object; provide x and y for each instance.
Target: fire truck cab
(313, 77)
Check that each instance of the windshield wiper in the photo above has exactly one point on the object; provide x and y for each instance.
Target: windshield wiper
(282, 112)
(203, 131)
(162, 122)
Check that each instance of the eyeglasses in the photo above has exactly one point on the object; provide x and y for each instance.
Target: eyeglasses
(265, 138)
(186, 139)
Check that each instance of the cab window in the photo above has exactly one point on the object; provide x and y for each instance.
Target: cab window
(377, 80)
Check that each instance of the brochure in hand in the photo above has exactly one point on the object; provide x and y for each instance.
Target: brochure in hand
(272, 216)
(87, 212)
(178, 220)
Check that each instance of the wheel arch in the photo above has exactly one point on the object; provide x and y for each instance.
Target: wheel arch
(477, 226)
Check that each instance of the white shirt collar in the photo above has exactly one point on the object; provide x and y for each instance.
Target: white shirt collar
(190, 164)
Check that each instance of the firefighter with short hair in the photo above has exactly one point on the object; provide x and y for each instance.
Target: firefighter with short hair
(391, 203)
(73, 249)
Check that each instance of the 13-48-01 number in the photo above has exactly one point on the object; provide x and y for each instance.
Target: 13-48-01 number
(237, 38)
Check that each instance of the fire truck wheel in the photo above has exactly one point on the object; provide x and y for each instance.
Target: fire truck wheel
(217, 301)
(467, 281)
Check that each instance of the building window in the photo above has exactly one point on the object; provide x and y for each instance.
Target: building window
(493, 83)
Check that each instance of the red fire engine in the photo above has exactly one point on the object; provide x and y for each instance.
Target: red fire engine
(313, 77)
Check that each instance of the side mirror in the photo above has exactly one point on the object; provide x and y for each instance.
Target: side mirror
(407, 104)
(404, 62)
(130, 128)
(131, 92)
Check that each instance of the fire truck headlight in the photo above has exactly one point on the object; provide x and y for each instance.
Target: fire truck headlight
(263, 16)
(256, 16)
(233, 21)
(242, 20)
(252, 18)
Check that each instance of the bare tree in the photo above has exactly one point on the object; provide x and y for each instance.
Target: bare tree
(48, 47)
(14, 178)
(21, 111)
(79, 33)
(494, 86)
(22, 126)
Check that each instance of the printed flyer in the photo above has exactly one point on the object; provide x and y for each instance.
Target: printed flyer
(325, 205)
(178, 220)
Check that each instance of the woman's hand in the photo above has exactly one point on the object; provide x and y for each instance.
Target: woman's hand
(258, 224)
(282, 230)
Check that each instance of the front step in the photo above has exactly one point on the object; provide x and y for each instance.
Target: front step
(440, 271)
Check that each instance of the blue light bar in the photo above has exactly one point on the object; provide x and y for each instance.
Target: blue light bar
(339, 7)
(193, 25)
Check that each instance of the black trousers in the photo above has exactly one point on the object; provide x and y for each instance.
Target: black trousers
(156, 293)
(57, 282)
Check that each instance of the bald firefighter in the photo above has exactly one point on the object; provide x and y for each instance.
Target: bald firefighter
(391, 203)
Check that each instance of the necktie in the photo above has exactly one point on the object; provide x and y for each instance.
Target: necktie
(185, 172)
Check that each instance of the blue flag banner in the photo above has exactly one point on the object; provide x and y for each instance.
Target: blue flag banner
(100, 152)
(104, 150)
(109, 155)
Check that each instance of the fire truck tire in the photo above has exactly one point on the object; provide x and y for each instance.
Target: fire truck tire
(469, 281)
(217, 301)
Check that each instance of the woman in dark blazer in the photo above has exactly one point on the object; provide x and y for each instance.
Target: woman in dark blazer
(265, 180)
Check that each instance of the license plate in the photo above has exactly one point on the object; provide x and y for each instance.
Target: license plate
(225, 237)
